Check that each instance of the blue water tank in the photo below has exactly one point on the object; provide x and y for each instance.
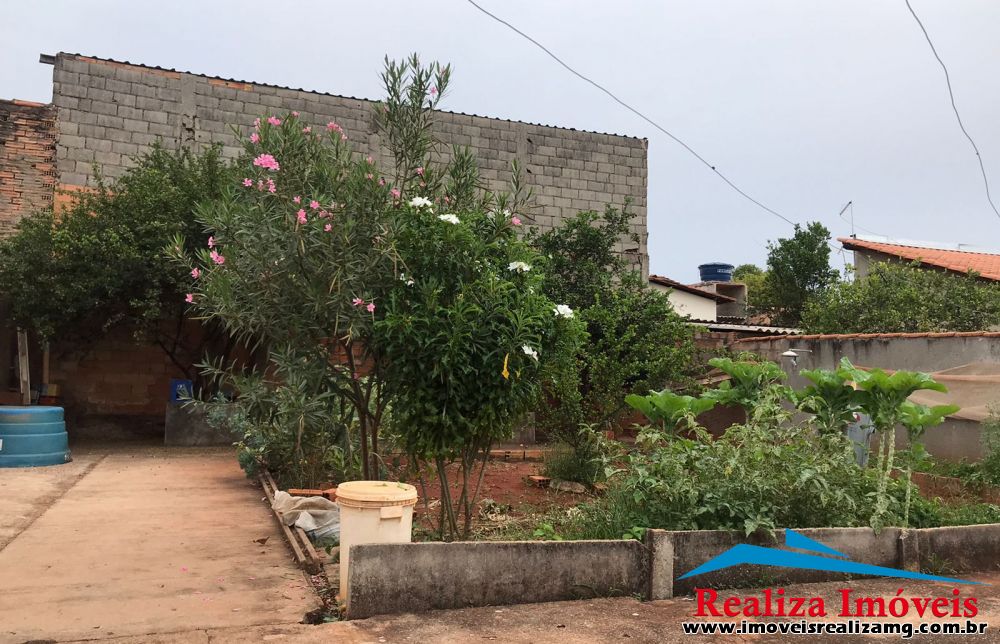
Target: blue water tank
(32, 436)
(716, 272)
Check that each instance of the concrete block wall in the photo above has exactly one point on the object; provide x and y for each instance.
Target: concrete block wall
(109, 111)
(27, 160)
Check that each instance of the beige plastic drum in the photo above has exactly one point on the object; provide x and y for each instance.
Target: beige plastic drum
(372, 512)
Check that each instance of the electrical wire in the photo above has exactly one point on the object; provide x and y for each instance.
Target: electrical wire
(954, 107)
(634, 111)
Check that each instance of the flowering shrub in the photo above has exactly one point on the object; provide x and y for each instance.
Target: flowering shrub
(370, 287)
(299, 258)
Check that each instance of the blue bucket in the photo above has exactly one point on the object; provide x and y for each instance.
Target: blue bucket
(33, 436)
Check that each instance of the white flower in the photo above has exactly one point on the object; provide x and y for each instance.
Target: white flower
(421, 202)
(563, 311)
(406, 280)
(528, 351)
(451, 219)
(519, 267)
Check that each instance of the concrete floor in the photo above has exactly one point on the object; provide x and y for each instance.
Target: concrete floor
(156, 545)
(130, 541)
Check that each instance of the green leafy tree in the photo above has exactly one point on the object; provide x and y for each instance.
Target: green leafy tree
(636, 341)
(798, 268)
(101, 264)
(900, 298)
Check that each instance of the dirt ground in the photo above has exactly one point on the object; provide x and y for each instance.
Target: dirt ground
(506, 496)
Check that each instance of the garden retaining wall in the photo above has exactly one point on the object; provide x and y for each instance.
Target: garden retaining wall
(411, 577)
(957, 438)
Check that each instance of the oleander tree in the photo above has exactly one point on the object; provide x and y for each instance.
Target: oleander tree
(371, 288)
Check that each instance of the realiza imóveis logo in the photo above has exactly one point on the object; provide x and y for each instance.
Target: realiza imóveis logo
(828, 560)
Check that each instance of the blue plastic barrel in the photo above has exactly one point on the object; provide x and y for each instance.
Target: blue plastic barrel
(32, 436)
(716, 272)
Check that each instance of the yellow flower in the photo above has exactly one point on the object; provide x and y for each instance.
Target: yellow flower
(505, 373)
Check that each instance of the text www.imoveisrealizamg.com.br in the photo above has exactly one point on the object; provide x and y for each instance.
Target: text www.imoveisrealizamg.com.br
(904, 630)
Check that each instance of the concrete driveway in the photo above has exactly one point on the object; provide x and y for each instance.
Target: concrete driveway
(129, 541)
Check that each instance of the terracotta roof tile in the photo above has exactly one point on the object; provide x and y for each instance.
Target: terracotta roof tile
(674, 284)
(987, 265)
(883, 336)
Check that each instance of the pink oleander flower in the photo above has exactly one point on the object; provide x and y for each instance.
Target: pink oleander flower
(323, 214)
(254, 137)
(189, 298)
(260, 184)
(333, 127)
(420, 171)
(381, 181)
(328, 227)
(358, 301)
(271, 187)
(369, 176)
(447, 199)
(217, 258)
(307, 129)
(274, 120)
(256, 122)
(314, 204)
(301, 215)
(211, 242)
(515, 220)
(294, 113)
(396, 194)
(195, 272)
(248, 182)
(434, 90)
(267, 161)
(369, 160)
(297, 199)
(371, 307)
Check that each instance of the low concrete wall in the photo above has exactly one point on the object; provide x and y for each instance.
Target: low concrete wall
(411, 577)
(695, 547)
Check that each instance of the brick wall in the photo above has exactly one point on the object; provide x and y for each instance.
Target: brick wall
(109, 111)
(27, 160)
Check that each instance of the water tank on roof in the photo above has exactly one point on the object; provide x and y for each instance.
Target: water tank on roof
(716, 272)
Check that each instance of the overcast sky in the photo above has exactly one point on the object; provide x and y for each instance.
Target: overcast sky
(804, 105)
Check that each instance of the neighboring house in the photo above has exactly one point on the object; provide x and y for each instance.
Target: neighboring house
(954, 258)
(104, 112)
(690, 301)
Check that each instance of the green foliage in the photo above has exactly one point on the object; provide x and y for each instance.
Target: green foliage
(798, 268)
(898, 298)
(755, 386)
(990, 464)
(585, 459)
(582, 261)
(669, 409)
(753, 477)
(101, 263)
(831, 398)
(636, 341)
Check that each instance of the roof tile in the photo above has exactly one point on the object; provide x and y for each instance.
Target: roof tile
(987, 265)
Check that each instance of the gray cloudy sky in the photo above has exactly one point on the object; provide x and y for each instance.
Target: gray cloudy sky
(805, 105)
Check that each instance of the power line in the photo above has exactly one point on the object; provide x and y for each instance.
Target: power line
(634, 111)
(958, 117)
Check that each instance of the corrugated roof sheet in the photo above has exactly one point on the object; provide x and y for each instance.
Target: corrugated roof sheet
(310, 91)
(958, 261)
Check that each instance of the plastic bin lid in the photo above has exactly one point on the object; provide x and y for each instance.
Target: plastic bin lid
(376, 493)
